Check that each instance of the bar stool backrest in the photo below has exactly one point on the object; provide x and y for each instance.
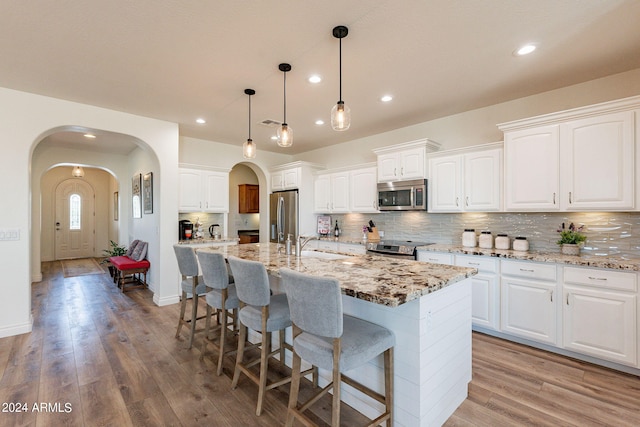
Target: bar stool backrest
(315, 303)
(187, 261)
(214, 270)
(251, 280)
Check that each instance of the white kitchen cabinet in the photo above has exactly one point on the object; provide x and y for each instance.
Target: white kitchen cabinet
(466, 182)
(599, 314)
(363, 190)
(532, 169)
(404, 161)
(598, 162)
(529, 300)
(285, 179)
(436, 257)
(485, 301)
(203, 190)
(576, 160)
(331, 193)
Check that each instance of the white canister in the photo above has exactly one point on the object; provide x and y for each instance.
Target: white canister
(469, 238)
(502, 241)
(486, 240)
(520, 244)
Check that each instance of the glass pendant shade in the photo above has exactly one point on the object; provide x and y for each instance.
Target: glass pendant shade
(340, 117)
(285, 136)
(249, 149)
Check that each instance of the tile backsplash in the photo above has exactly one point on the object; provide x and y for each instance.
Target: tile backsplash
(206, 219)
(608, 233)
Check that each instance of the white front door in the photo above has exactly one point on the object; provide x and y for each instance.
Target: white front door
(75, 220)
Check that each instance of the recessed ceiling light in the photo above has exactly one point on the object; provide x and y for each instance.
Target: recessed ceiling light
(201, 121)
(525, 50)
(319, 122)
(386, 98)
(315, 79)
(89, 135)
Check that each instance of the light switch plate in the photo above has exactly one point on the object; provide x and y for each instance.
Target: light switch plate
(9, 234)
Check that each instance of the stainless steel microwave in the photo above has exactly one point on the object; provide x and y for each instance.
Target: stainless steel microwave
(403, 195)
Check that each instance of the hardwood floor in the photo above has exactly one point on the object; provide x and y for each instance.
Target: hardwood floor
(97, 357)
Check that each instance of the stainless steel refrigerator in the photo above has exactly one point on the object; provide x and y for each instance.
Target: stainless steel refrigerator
(283, 215)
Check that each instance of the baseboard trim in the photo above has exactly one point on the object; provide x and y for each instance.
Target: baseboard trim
(18, 329)
(160, 302)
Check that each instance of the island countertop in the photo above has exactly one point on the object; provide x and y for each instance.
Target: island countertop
(381, 280)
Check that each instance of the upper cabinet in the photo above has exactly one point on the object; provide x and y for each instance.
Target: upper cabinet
(404, 161)
(286, 179)
(466, 181)
(578, 160)
(347, 190)
(203, 190)
(248, 198)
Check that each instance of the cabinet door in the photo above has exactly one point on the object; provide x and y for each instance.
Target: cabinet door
(412, 163)
(322, 194)
(291, 178)
(340, 192)
(364, 190)
(528, 309)
(277, 181)
(445, 181)
(485, 301)
(598, 162)
(248, 198)
(532, 174)
(600, 323)
(190, 190)
(216, 195)
(482, 179)
(388, 167)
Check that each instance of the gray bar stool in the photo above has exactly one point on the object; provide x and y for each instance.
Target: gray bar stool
(261, 312)
(328, 339)
(192, 284)
(222, 298)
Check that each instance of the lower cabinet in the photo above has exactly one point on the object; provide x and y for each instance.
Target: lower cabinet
(599, 314)
(529, 306)
(485, 290)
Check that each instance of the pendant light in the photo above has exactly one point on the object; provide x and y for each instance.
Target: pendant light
(77, 172)
(285, 133)
(249, 148)
(340, 113)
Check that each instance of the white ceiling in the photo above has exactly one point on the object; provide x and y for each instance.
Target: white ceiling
(179, 60)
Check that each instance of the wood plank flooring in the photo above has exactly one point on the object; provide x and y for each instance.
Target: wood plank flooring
(97, 357)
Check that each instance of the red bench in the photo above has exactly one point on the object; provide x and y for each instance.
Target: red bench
(129, 267)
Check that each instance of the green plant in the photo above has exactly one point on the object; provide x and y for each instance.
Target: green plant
(572, 235)
(114, 250)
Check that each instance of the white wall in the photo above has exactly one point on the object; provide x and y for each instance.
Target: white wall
(479, 126)
(25, 119)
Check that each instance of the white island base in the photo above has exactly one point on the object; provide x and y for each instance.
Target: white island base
(432, 356)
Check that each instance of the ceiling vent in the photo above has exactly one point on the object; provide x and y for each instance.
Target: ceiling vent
(271, 123)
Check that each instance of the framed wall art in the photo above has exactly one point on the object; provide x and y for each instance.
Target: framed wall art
(136, 195)
(147, 192)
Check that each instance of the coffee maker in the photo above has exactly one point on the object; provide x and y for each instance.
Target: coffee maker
(185, 230)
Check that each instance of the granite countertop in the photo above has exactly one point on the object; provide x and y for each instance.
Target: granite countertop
(381, 280)
(206, 240)
(584, 259)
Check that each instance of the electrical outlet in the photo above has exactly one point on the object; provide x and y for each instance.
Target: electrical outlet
(9, 234)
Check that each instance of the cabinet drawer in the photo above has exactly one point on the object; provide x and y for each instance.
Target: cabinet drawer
(607, 279)
(352, 249)
(532, 270)
(327, 245)
(435, 257)
(485, 264)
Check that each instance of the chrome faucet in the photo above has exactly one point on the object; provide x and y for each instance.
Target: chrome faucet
(302, 241)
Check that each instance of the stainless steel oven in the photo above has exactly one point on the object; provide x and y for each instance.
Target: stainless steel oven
(403, 195)
(402, 249)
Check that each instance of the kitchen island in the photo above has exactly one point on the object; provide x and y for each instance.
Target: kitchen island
(427, 306)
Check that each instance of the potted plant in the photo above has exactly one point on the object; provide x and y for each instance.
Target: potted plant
(114, 250)
(571, 239)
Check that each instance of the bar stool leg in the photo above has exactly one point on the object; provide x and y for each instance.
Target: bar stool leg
(264, 360)
(223, 338)
(239, 357)
(335, 405)
(388, 384)
(183, 307)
